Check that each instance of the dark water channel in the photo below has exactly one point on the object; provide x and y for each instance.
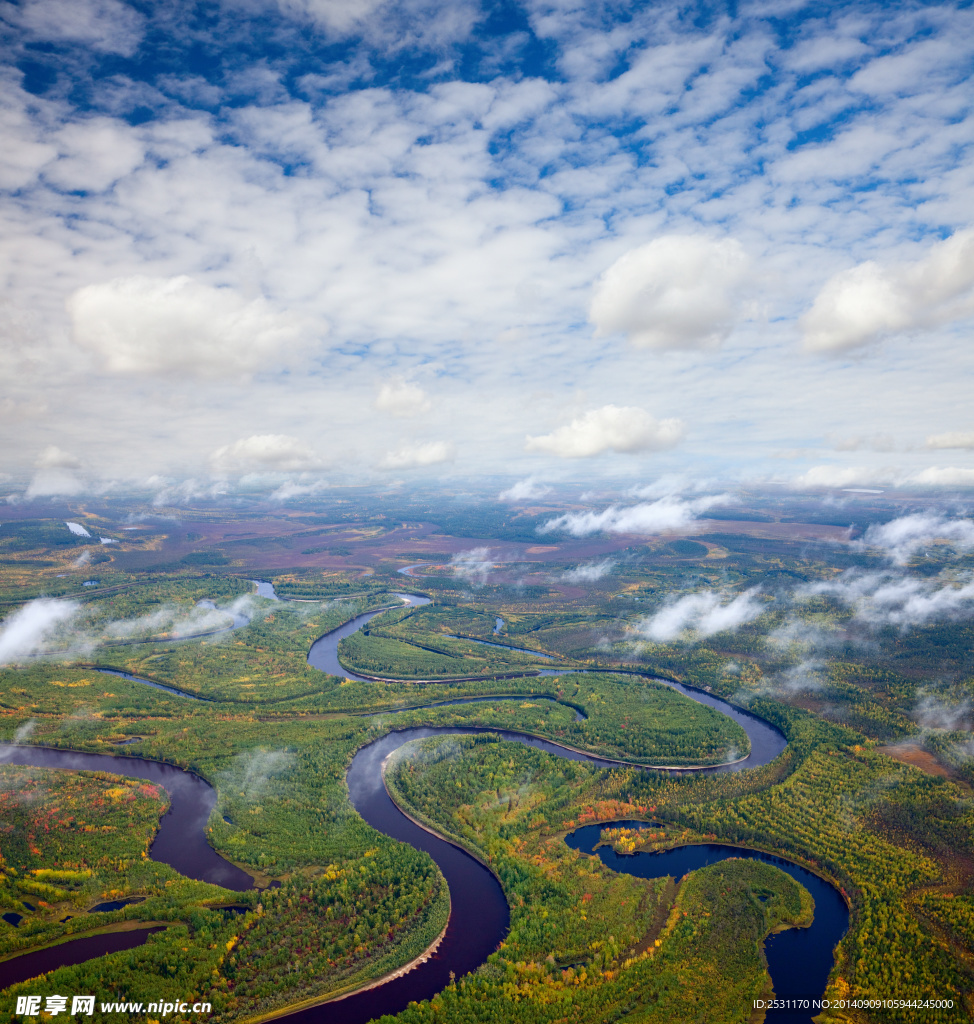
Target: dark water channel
(799, 959)
(324, 651)
(479, 915)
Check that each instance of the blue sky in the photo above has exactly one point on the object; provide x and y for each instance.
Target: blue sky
(288, 242)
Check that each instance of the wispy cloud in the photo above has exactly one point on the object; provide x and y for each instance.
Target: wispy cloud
(889, 599)
(589, 572)
(473, 564)
(525, 490)
(27, 631)
(416, 456)
(903, 537)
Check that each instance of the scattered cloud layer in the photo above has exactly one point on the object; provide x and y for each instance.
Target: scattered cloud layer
(612, 428)
(323, 200)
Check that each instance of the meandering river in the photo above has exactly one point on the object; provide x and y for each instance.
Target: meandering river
(479, 915)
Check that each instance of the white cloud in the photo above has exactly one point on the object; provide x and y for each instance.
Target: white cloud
(886, 599)
(473, 564)
(870, 301)
(297, 489)
(278, 453)
(525, 490)
(50, 483)
(399, 397)
(53, 457)
(104, 25)
(932, 712)
(859, 477)
(845, 476)
(943, 476)
(951, 439)
(25, 633)
(55, 475)
(416, 455)
(589, 572)
(77, 529)
(611, 428)
(644, 519)
(93, 155)
(705, 613)
(176, 325)
(910, 602)
(424, 222)
(902, 538)
(677, 292)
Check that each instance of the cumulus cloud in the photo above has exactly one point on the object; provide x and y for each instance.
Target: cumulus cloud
(25, 633)
(417, 455)
(901, 538)
(525, 490)
(705, 613)
(870, 301)
(473, 564)
(647, 518)
(151, 325)
(611, 428)
(589, 572)
(399, 397)
(951, 439)
(279, 453)
(677, 292)
(77, 529)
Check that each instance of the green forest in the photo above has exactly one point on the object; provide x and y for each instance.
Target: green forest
(863, 795)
